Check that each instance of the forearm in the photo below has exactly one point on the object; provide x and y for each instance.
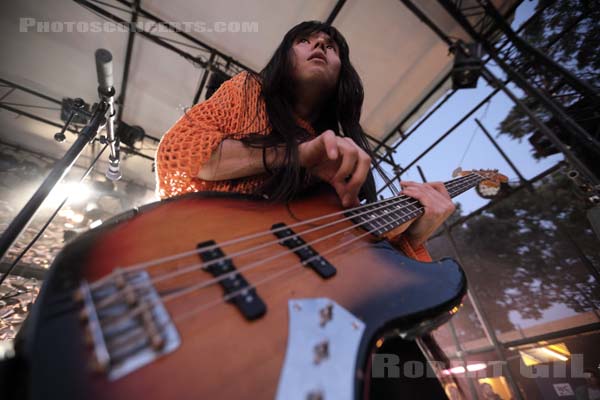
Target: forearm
(418, 233)
(233, 159)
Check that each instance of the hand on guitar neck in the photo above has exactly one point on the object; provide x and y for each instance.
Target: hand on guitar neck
(437, 204)
(340, 162)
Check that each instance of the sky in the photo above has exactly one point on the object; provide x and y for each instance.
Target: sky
(467, 146)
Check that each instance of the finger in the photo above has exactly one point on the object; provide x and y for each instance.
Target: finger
(404, 184)
(434, 203)
(440, 188)
(427, 196)
(359, 176)
(330, 143)
(349, 159)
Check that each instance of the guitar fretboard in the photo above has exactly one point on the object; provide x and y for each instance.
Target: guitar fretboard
(388, 214)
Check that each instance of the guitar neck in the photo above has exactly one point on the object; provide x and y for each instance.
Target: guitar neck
(388, 214)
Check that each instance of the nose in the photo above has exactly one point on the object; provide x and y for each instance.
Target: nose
(320, 42)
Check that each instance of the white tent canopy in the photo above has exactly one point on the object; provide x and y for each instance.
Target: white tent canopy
(398, 57)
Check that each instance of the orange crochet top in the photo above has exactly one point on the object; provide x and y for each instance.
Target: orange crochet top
(232, 112)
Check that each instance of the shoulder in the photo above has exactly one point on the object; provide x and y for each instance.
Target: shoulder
(244, 80)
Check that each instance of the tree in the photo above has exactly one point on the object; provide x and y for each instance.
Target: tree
(568, 32)
(529, 251)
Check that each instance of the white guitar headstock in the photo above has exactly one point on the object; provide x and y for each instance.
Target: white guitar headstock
(490, 185)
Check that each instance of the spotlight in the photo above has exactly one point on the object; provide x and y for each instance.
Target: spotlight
(72, 105)
(130, 135)
(467, 67)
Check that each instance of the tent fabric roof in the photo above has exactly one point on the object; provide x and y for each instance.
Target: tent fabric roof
(398, 57)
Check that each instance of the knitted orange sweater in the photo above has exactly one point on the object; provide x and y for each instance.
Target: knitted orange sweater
(232, 112)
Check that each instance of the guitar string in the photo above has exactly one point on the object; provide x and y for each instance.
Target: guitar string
(142, 307)
(220, 300)
(162, 260)
(203, 265)
(257, 263)
(132, 313)
(173, 257)
(229, 296)
(196, 266)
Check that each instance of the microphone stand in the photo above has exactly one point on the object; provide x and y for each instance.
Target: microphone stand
(58, 171)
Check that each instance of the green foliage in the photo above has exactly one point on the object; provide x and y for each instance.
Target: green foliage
(568, 32)
(529, 251)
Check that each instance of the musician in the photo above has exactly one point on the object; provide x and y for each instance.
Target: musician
(278, 132)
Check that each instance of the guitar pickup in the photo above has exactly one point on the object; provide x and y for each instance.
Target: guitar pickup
(307, 254)
(246, 300)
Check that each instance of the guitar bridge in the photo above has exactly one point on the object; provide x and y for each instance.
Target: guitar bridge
(126, 323)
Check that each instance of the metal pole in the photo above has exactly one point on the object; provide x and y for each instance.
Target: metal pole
(31, 91)
(147, 35)
(561, 116)
(424, 119)
(503, 154)
(459, 350)
(204, 78)
(36, 117)
(125, 80)
(486, 326)
(416, 108)
(540, 57)
(58, 171)
(491, 78)
(335, 11)
(449, 131)
(481, 209)
(189, 37)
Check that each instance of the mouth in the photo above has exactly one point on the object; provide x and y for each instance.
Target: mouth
(317, 56)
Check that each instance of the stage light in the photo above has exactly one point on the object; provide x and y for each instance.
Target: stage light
(130, 135)
(69, 105)
(545, 354)
(457, 370)
(554, 354)
(77, 192)
(66, 213)
(95, 224)
(77, 218)
(476, 367)
(467, 67)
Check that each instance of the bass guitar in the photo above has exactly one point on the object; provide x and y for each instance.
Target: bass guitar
(223, 296)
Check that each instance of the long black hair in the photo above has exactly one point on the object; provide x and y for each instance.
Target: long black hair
(340, 113)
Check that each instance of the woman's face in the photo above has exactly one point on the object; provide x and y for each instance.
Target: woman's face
(315, 60)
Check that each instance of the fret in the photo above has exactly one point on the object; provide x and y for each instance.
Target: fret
(373, 217)
(386, 215)
(389, 220)
(403, 208)
(462, 184)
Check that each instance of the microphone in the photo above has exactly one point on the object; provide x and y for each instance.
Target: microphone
(106, 91)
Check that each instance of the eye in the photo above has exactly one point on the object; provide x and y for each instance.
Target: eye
(303, 40)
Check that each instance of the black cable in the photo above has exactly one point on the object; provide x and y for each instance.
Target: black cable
(39, 234)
